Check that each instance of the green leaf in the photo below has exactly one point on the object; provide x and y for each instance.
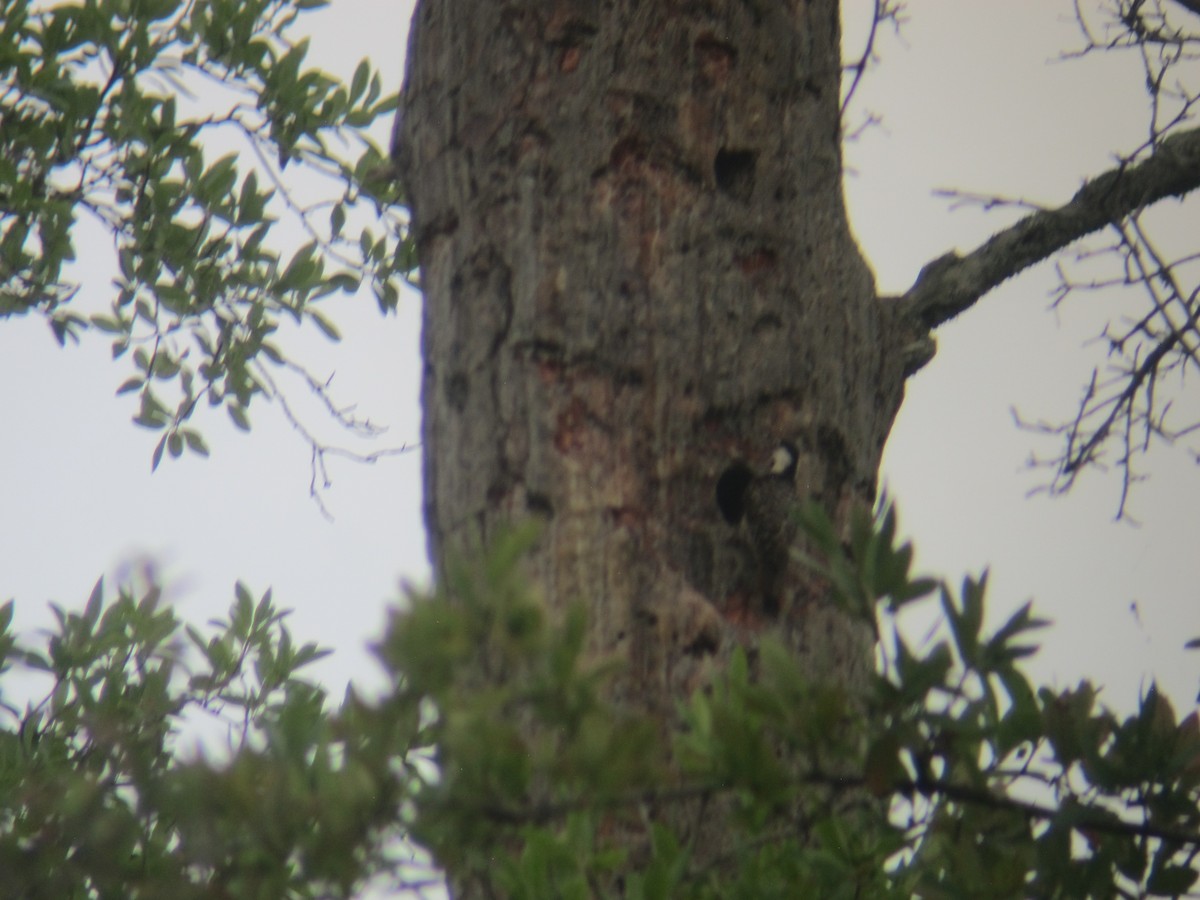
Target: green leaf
(242, 614)
(217, 181)
(327, 327)
(91, 613)
(251, 205)
(194, 441)
(108, 324)
(882, 769)
(300, 270)
(1171, 881)
(156, 457)
(358, 83)
(239, 417)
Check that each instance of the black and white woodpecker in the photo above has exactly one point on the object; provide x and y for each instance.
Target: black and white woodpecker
(767, 503)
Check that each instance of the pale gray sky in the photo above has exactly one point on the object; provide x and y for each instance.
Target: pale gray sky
(971, 98)
(976, 98)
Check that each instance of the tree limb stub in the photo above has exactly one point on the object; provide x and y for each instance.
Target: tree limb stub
(952, 283)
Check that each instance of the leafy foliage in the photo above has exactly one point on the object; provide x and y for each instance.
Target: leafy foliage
(963, 781)
(499, 750)
(113, 112)
(100, 798)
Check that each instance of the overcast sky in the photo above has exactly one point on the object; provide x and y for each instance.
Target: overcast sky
(971, 97)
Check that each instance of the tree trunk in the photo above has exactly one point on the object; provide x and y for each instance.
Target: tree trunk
(638, 273)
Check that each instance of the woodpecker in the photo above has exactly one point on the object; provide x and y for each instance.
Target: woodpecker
(767, 504)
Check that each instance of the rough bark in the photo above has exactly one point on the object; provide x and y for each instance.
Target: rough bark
(638, 277)
(638, 272)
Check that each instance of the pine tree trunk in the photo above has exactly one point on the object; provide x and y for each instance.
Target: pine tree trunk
(638, 272)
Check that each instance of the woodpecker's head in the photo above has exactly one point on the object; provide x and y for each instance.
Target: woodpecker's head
(736, 480)
(783, 461)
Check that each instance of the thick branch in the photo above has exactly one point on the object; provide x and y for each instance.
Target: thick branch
(1097, 819)
(952, 283)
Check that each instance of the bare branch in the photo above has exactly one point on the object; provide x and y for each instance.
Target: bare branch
(320, 480)
(884, 11)
(952, 283)
(1129, 402)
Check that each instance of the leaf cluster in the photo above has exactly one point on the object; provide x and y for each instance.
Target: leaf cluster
(100, 795)
(529, 752)
(952, 777)
(113, 114)
(501, 751)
